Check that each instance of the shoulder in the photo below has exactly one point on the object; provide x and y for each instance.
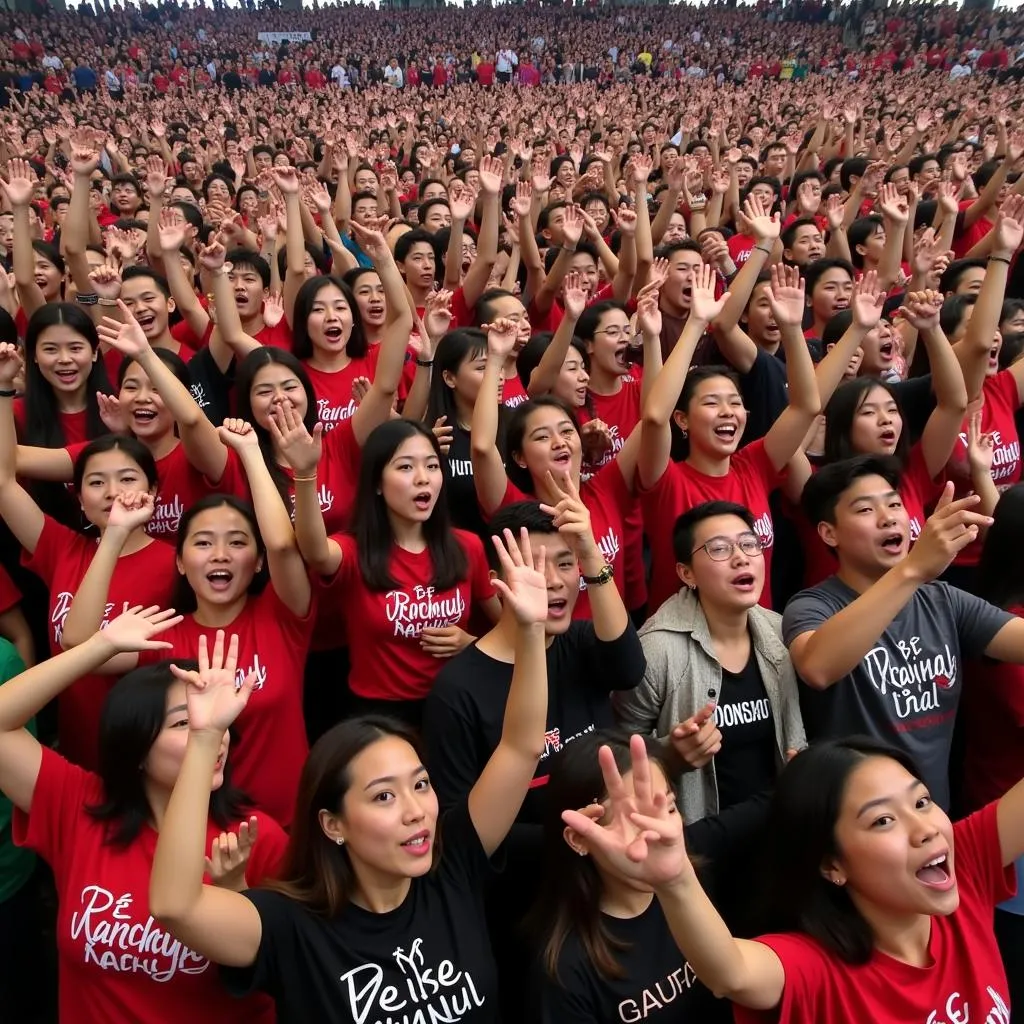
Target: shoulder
(470, 543)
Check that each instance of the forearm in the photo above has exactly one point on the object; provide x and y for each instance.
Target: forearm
(839, 644)
(890, 264)
(522, 728)
(832, 368)
(724, 964)
(545, 375)
(453, 256)
(667, 206)
(271, 515)
(310, 530)
(659, 408)
(607, 610)
(483, 432)
(947, 377)
(295, 243)
(800, 376)
(28, 693)
(88, 608)
(176, 881)
(742, 285)
(75, 233)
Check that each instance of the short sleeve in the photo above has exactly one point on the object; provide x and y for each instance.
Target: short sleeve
(62, 790)
(977, 621)
(807, 970)
(610, 482)
(755, 460)
(512, 495)
(805, 612)
(348, 570)
(277, 928)
(54, 542)
(979, 858)
(479, 571)
(463, 859)
(10, 596)
(450, 731)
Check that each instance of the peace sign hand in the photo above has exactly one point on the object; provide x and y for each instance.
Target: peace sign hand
(642, 835)
(572, 518)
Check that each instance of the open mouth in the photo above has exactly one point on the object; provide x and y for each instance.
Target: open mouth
(418, 845)
(936, 874)
(375, 311)
(888, 438)
(771, 327)
(563, 458)
(892, 543)
(581, 395)
(41, 283)
(886, 350)
(726, 431)
(67, 376)
(423, 500)
(144, 415)
(557, 607)
(744, 581)
(219, 580)
(333, 334)
(840, 304)
(146, 320)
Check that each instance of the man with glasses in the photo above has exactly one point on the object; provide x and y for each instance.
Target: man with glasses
(719, 685)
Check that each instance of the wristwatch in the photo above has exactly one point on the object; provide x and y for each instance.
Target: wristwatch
(606, 574)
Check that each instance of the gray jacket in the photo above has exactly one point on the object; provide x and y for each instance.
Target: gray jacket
(681, 673)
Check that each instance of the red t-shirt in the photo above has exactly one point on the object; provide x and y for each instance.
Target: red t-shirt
(998, 413)
(270, 745)
(750, 480)
(387, 660)
(408, 368)
(740, 247)
(74, 424)
(337, 475)
(918, 491)
(278, 336)
(609, 502)
(512, 392)
(117, 965)
(146, 577)
(965, 981)
(334, 401)
(966, 239)
(113, 359)
(485, 72)
(181, 485)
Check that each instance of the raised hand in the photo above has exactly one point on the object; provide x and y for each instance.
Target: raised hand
(639, 834)
(211, 257)
(156, 176)
(21, 183)
(301, 449)
(11, 365)
(703, 304)
(461, 201)
(286, 179)
(1009, 229)
(949, 529)
(492, 173)
(125, 335)
(501, 337)
(981, 447)
(112, 414)
(130, 510)
(229, 854)
(444, 433)
(574, 296)
(214, 694)
(273, 309)
(135, 627)
(237, 434)
(571, 516)
(523, 582)
(893, 206)
(370, 240)
(437, 315)
(867, 300)
(573, 225)
(786, 296)
(106, 281)
(521, 201)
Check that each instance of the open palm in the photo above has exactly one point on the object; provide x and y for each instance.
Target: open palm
(214, 695)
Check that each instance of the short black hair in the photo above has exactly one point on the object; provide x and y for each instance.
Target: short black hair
(818, 268)
(824, 489)
(685, 529)
(239, 258)
(519, 515)
(950, 279)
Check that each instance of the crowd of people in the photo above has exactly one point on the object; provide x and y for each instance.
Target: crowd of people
(511, 514)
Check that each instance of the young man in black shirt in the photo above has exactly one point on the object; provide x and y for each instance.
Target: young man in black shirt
(462, 719)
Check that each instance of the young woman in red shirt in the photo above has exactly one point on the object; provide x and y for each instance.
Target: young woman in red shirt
(705, 403)
(544, 441)
(61, 557)
(155, 406)
(887, 905)
(98, 832)
(242, 569)
(406, 583)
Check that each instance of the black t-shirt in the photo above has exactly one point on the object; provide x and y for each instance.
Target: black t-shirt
(746, 764)
(464, 712)
(659, 986)
(429, 959)
(460, 488)
(211, 388)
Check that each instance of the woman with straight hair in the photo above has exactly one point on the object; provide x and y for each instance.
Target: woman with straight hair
(379, 910)
(404, 581)
(237, 566)
(994, 713)
(606, 951)
(154, 404)
(885, 905)
(104, 471)
(98, 832)
(543, 442)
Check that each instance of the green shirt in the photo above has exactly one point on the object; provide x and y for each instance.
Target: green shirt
(16, 864)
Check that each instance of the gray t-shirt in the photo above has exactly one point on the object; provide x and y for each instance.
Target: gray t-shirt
(907, 687)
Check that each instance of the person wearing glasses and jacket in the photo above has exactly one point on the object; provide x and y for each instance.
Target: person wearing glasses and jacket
(719, 684)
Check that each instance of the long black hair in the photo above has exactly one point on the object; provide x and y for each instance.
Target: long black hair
(248, 368)
(372, 527)
(1000, 578)
(133, 716)
(516, 434)
(569, 902)
(302, 345)
(801, 837)
(42, 420)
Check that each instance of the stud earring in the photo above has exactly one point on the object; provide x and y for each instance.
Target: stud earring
(340, 842)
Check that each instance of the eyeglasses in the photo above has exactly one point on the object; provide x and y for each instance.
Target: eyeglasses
(616, 332)
(720, 549)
